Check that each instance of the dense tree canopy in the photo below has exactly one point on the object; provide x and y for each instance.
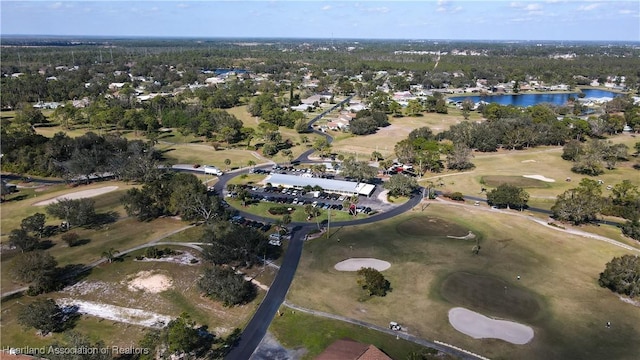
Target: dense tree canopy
(579, 205)
(622, 275)
(233, 244)
(373, 282)
(224, 284)
(43, 314)
(509, 196)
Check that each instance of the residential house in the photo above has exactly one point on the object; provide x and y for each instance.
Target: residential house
(347, 349)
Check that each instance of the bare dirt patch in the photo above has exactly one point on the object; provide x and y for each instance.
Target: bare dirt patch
(117, 313)
(78, 195)
(148, 281)
(355, 264)
(479, 326)
(183, 258)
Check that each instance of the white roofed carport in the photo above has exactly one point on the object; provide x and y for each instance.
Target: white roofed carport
(329, 185)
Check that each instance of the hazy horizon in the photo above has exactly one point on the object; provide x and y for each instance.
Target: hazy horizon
(445, 20)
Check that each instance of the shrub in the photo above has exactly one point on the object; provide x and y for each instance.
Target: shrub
(279, 210)
(70, 238)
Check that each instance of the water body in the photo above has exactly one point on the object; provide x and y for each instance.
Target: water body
(525, 100)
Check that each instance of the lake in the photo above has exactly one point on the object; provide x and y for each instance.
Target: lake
(525, 100)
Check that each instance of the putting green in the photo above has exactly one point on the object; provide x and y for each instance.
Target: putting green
(520, 181)
(430, 226)
(491, 296)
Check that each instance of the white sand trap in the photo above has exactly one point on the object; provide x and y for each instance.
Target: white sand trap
(147, 281)
(470, 235)
(528, 161)
(117, 313)
(539, 177)
(79, 195)
(355, 264)
(479, 326)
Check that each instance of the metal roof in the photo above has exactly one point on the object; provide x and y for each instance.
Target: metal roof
(326, 184)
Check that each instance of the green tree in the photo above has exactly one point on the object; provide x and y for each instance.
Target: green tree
(579, 205)
(224, 284)
(459, 157)
(622, 275)
(22, 240)
(376, 156)
(34, 223)
(359, 170)
(227, 162)
(233, 244)
(182, 335)
(401, 185)
(79, 212)
(373, 282)
(35, 266)
(509, 196)
(43, 314)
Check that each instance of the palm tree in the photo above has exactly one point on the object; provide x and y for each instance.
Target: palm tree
(110, 254)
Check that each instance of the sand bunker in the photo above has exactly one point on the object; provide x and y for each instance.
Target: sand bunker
(479, 326)
(79, 195)
(470, 235)
(528, 161)
(355, 264)
(147, 281)
(539, 177)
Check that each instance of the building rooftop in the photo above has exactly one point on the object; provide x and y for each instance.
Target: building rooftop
(327, 184)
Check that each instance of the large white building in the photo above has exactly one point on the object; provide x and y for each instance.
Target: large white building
(329, 185)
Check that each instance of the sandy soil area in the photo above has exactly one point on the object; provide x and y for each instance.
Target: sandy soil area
(479, 326)
(539, 177)
(148, 281)
(117, 313)
(78, 195)
(355, 264)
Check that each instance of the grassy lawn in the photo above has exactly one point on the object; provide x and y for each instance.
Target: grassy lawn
(397, 199)
(320, 332)
(557, 295)
(510, 166)
(297, 214)
(386, 138)
(206, 155)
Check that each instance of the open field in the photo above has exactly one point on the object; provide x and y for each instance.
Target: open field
(557, 294)
(385, 138)
(206, 155)
(510, 166)
(110, 284)
(320, 332)
(122, 234)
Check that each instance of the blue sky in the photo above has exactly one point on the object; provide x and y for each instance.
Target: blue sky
(426, 19)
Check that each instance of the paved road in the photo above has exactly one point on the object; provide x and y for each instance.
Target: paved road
(257, 326)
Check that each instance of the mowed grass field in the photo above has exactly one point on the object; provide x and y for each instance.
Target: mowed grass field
(557, 295)
(509, 166)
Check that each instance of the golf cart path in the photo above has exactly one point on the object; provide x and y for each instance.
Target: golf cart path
(543, 223)
(438, 345)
